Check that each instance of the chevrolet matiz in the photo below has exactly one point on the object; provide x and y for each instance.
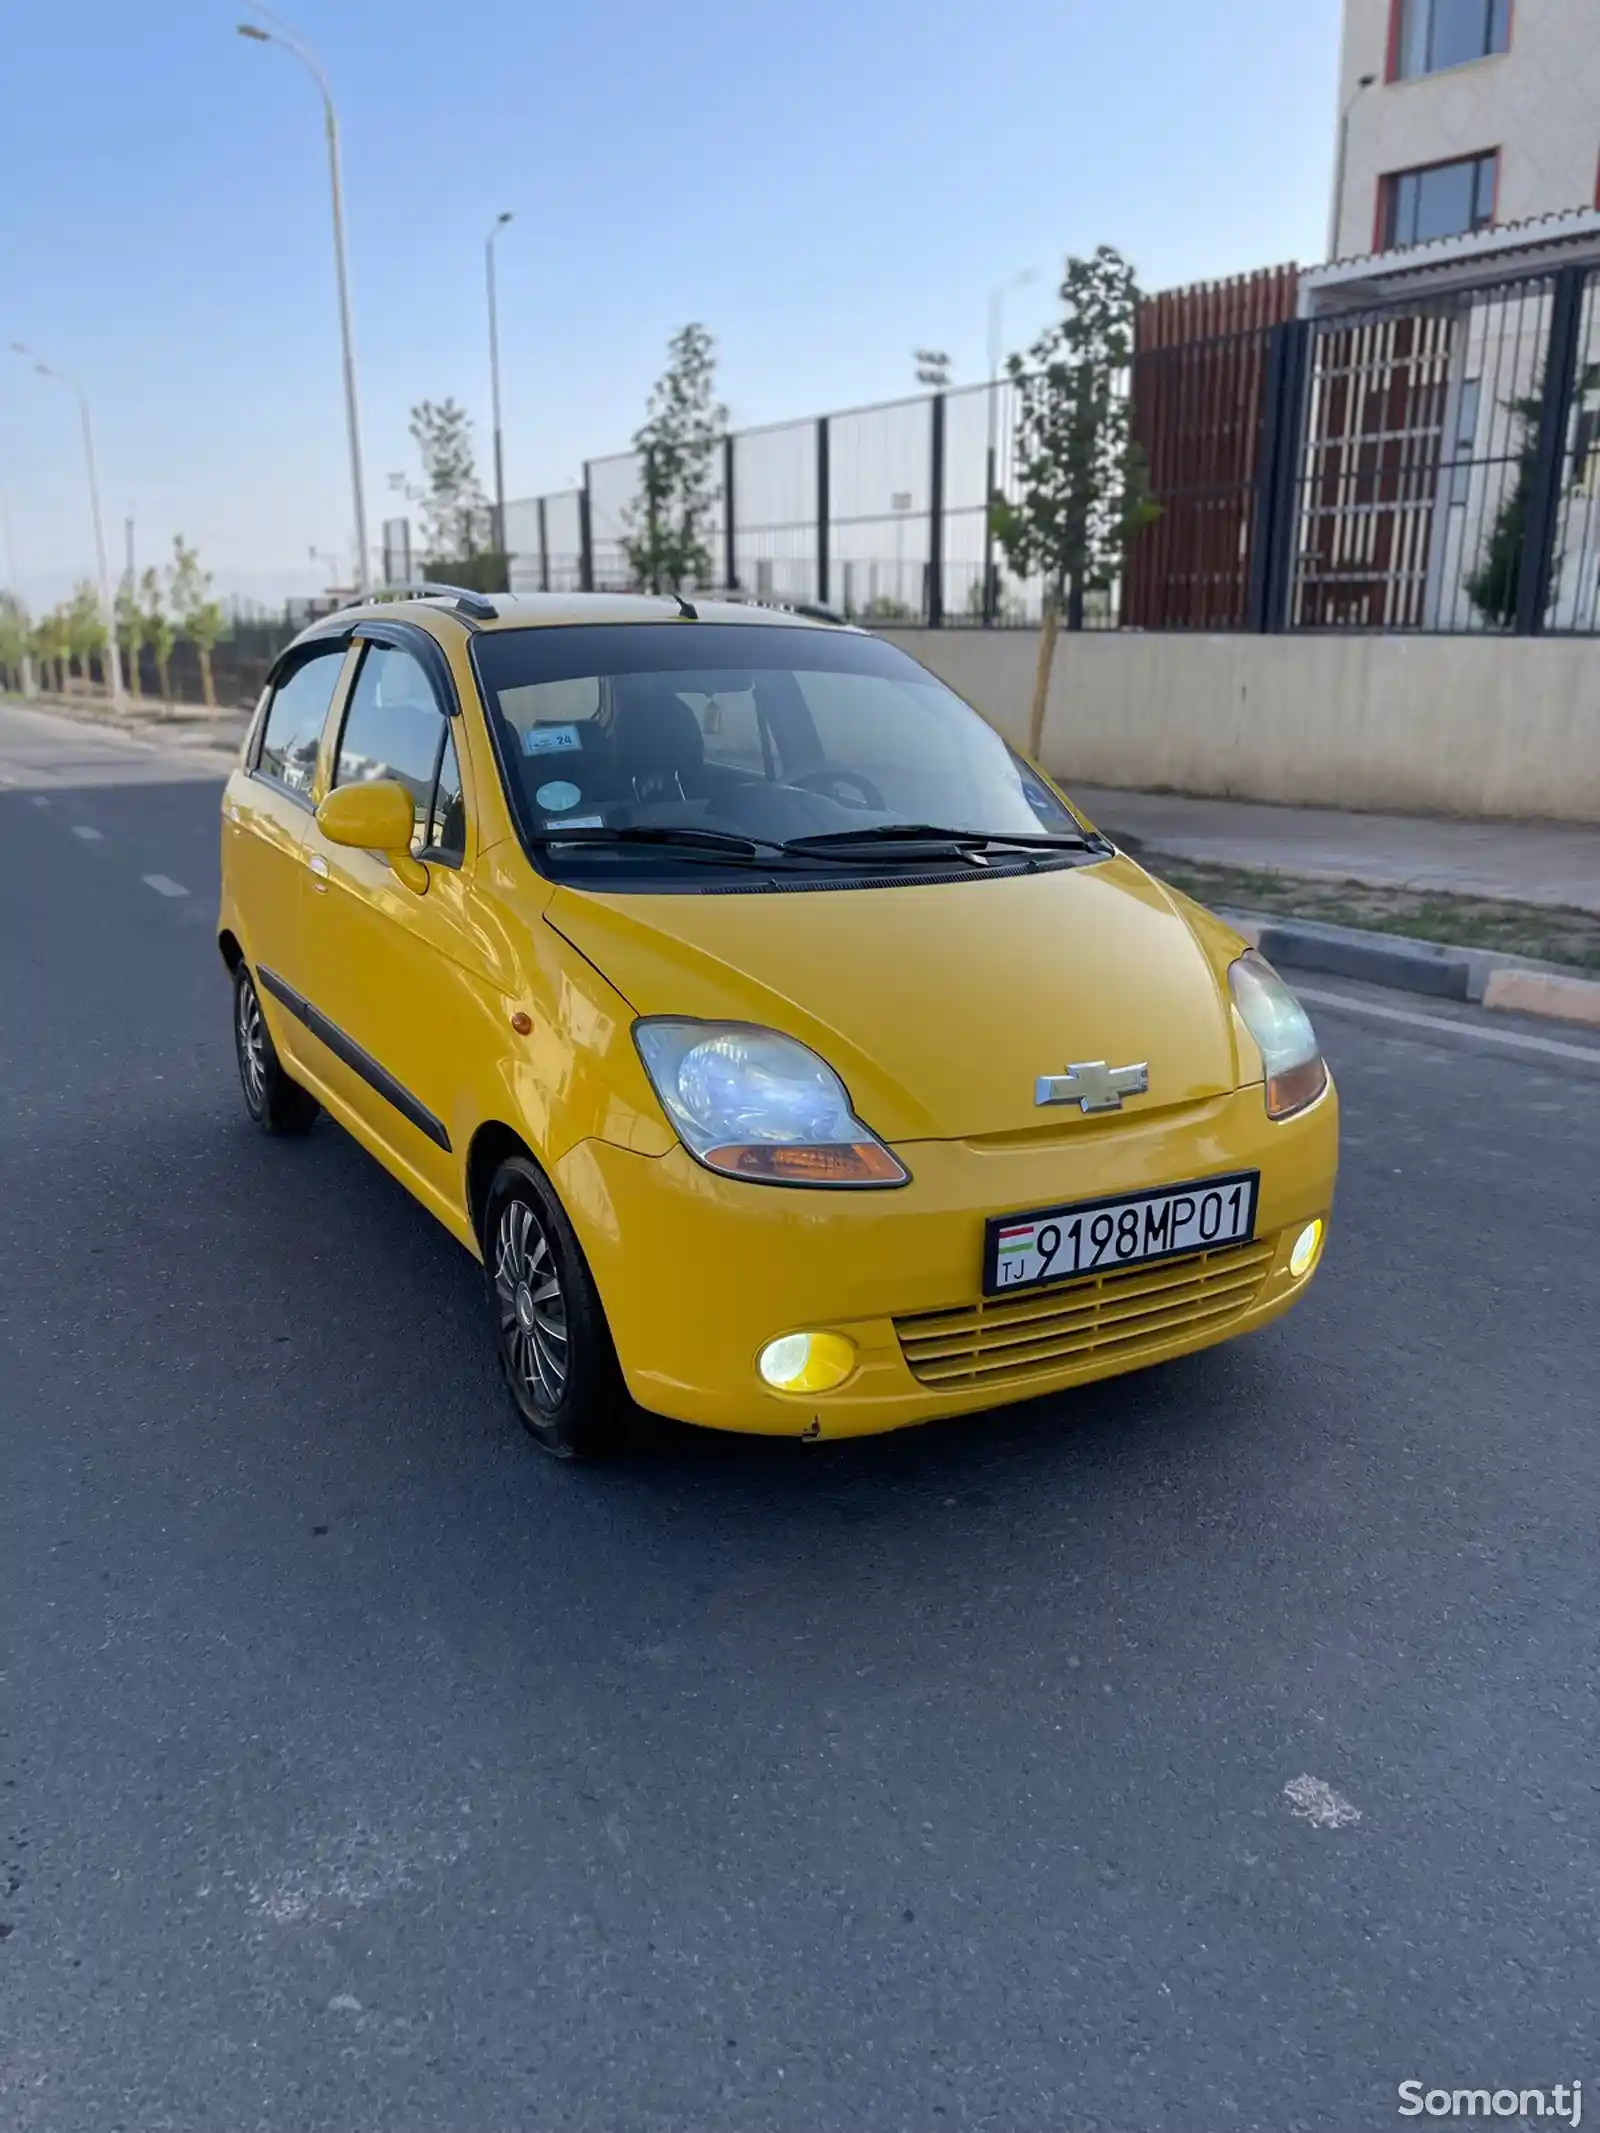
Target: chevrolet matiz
(791, 1052)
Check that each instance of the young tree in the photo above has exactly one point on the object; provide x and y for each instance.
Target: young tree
(15, 635)
(667, 531)
(85, 627)
(50, 647)
(1083, 491)
(198, 616)
(131, 631)
(1494, 586)
(159, 633)
(453, 505)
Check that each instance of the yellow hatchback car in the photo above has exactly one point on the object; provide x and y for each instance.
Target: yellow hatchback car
(792, 1054)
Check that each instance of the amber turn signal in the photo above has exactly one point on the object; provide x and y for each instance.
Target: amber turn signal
(1296, 1087)
(834, 1163)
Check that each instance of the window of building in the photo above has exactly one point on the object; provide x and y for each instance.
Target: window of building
(395, 729)
(1445, 200)
(294, 722)
(1433, 34)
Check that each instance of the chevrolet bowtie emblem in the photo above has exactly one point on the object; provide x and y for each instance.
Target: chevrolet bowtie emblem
(1092, 1085)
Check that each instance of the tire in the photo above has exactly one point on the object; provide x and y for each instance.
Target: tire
(278, 1105)
(550, 1330)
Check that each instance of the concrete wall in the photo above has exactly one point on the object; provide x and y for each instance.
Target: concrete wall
(1536, 103)
(1439, 725)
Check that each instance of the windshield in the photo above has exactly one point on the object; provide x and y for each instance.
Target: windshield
(744, 730)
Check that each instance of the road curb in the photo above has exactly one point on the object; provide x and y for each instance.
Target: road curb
(1378, 959)
(1506, 983)
(1541, 992)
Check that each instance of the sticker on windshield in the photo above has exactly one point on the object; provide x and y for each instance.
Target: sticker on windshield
(557, 797)
(580, 822)
(550, 740)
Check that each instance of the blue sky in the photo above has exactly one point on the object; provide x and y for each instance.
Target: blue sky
(825, 186)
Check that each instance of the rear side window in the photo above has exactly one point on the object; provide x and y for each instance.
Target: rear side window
(395, 728)
(295, 719)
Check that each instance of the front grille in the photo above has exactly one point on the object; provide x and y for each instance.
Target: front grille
(1109, 1315)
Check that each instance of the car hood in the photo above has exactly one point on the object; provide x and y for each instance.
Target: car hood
(938, 1005)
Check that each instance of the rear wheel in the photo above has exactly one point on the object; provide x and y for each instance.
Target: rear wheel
(277, 1104)
(550, 1328)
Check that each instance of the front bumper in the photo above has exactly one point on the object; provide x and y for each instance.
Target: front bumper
(698, 1272)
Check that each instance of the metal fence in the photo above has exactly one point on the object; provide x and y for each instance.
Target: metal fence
(880, 512)
(1446, 466)
(1430, 465)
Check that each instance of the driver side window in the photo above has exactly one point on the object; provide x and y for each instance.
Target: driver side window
(396, 728)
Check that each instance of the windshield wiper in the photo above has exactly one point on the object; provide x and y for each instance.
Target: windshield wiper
(839, 847)
(923, 833)
(712, 842)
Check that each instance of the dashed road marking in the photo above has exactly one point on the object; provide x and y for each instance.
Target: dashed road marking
(164, 885)
(39, 800)
(1443, 1026)
(89, 836)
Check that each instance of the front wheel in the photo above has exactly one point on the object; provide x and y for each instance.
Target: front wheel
(277, 1104)
(550, 1328)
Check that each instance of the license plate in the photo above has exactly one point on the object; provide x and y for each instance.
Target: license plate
(1132, 1229)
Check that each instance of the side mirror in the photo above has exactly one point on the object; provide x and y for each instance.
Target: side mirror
(376, 817)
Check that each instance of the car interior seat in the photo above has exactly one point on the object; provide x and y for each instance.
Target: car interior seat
(660, 751)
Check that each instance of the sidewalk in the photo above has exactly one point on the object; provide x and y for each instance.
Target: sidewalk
(1514, 862)
(181, 725)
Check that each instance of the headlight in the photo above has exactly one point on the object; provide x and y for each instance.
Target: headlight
(1296, 1075)
(757, 1105)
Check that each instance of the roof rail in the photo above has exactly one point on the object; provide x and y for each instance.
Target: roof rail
(475, 604)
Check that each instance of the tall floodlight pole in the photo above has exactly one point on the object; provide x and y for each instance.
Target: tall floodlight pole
(288, 42)
(499, 224)
(997, 301)
(107, 605)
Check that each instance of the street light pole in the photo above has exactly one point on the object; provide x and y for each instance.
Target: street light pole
(500, 222)
(997, 298)
(1336, 213)
(290, 43)
(107, 605)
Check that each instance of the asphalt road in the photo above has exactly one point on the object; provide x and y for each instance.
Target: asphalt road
(365, 1771)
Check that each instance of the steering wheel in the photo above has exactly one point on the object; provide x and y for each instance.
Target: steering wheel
(823, 781)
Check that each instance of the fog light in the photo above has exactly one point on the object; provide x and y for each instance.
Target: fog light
(1307, 1250)
(807, 1362)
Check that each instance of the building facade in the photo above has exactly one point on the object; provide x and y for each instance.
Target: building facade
(1460, 115)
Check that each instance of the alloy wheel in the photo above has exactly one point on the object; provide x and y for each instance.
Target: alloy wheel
(252, 1036)
(532, 1307)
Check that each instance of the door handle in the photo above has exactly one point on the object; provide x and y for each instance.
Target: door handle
(319, 870)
